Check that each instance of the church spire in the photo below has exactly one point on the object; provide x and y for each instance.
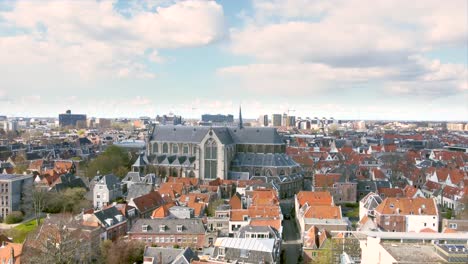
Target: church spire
(241, 123)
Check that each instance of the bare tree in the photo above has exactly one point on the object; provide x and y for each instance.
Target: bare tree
(38, 202)
(59, 240)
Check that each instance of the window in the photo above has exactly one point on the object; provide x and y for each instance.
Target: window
(165, 148)
(162, 228)
(211, 156)
(175, 149)
(186, 149)
(425, 224)
(314, 254)
(219, 225)
(367, 188)
(179, 228)
(155, 148)
(221, 251)
(452, 226)
(97, 196)
(387, 223)
(144, 228)
(156, 240)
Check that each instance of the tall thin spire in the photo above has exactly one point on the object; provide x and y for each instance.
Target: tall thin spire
(241, 123)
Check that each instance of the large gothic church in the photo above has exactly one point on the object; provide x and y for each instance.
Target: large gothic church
(234, 153)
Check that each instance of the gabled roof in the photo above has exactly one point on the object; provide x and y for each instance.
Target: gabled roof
(162, 211)
(107, 213)
(314, 198)
(264, 197)
(275, 223)
(326, 180)
(390, 192)
(323, 212)
(408, 206)
(148, 201)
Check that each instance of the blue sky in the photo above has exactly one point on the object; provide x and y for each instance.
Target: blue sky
(350, 59)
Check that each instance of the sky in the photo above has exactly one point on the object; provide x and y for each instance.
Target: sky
(347, 59)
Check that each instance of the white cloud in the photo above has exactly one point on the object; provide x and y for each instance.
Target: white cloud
(315, 45)
(420, 77)
(92, 38)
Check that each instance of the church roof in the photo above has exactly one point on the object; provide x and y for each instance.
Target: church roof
(227, 135)
(263, 160)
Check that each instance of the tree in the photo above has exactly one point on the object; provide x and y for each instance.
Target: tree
(14, 217)
(56, 242)
(213, 206)
(113, 160)
(38, 201)
(71, 200)
(122, 251)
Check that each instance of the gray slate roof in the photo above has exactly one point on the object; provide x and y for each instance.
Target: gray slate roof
(170, 255)
(263, 160)
(227, 135)
(190, 226)
(107, 213)
(138, 189)
(109, 180)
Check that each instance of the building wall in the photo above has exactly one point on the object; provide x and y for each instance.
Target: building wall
(15, 191)
(117, 231)
(391, 223)
(414, 223)
(169, 240)
(373, 252)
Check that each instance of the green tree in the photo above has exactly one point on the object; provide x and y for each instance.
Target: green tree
(210, 211)
(113, 160)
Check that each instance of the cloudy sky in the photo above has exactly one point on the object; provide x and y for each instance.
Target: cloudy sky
(356, 59)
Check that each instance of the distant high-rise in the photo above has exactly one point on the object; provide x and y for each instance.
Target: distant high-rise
(217, 120)
(276, 120)
(69, 119)
(291, 121)
(169, 119)
(263, 120)
(284, 121)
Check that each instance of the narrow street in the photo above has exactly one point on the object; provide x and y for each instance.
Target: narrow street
(291, 237)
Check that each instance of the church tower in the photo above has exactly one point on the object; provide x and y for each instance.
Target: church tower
(241, 123)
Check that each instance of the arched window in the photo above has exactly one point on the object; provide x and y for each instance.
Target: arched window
(282, 172)
(186, 149)
(258, 172)
(211, 156)
(175, 149)
(155, 147)
(250, 149)
(165, 148)
(268, 172)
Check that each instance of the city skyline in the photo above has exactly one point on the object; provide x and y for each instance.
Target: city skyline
(371, 60)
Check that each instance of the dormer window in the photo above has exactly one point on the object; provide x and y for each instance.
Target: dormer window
(162, 228)
(180, 228)
(144, 228)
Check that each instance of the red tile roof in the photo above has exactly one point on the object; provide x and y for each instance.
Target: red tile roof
(323, 212)
(326, 180)
(314, 198)
(407, 206)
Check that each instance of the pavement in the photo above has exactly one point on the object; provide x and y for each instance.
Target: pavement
(291, 237)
